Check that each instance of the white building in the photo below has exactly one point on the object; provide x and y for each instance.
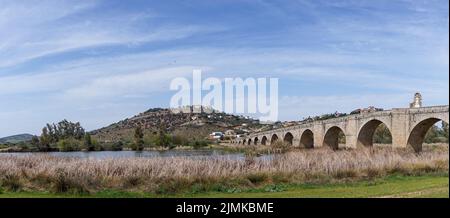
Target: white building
(216, 135)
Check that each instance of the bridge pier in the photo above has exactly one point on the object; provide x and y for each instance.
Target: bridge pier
(319, 133)
(399, 128)
(351, 139)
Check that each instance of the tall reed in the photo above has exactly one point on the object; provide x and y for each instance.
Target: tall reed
(44, 172)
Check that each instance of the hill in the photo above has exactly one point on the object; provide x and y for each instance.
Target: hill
(191, 124)
(16, 138)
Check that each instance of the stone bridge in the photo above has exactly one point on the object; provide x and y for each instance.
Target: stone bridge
(408, 127)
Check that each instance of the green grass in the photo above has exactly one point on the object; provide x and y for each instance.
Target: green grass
(398, 186)
(430, 186)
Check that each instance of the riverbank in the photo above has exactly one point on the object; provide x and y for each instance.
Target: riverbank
(17, 149)
(222, 148)
(393, 186)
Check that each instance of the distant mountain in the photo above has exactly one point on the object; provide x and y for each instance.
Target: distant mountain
(193, 122)
(16, 138)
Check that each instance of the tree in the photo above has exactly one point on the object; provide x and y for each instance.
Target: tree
(163, 139)
(35, 141)
(69, 144)
(44, 140)
(138, 139)
(89, 146)
(382, 135)
(432, 134)
(445, 129)
(66, 129)
(437, 134)
(73, 133)
(51, 132)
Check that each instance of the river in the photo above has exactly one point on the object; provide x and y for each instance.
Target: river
(142, 154)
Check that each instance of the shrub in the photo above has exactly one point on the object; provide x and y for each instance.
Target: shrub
(11, 181)
(372, 173)
(138, 139)
(180, 140)
(198, 143)
(88, 143)
(257, 178)
(64, 182)
(131, 181)
(61, 182)
(117, 146)
(164, 140)
(150, 139)
(69, 144)
(275, 188)
(112, 146)
(346, 174)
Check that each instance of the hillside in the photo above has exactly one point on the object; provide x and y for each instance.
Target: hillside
(16, 138)
(194, 125)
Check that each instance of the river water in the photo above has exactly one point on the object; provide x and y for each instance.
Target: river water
(142, 154)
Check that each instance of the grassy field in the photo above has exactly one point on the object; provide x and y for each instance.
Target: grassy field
(430, 186)
(396, 186)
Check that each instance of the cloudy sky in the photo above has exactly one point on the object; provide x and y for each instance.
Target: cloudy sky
(98, 62)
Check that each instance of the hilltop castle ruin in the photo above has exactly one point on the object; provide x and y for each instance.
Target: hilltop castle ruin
(194, 109)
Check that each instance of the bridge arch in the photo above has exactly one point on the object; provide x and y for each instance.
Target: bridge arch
(417, 135)
(273, 139)
(264, 140)
(249, 141)
(244, 142)
(332, 136)
(255, 141)
(307, 139)
(288, 138)
(367, 132)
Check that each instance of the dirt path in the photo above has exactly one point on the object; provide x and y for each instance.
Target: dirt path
(416, 193)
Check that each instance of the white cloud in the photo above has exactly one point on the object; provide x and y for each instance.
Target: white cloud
(49, 33)
(157, 80)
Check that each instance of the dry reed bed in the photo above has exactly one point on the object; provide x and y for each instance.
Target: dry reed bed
(42, 172)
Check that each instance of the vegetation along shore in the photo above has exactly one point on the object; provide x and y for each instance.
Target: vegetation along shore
(183, 175)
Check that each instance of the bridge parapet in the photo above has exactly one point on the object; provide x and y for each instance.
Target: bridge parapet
(431, 109)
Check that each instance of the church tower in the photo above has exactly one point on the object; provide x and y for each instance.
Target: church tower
(417, 102)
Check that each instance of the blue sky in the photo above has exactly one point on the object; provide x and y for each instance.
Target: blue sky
(98, 62)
